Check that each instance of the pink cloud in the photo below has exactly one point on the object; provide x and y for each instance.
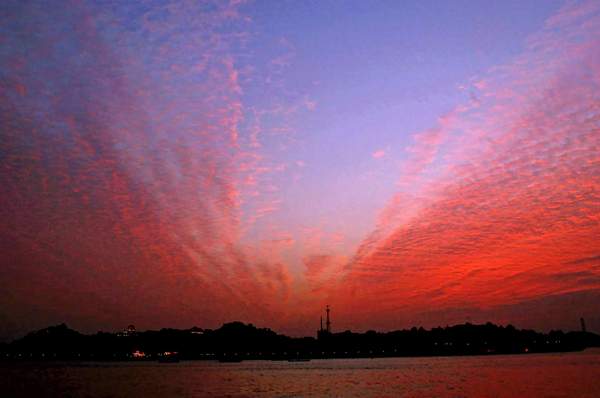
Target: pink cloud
(378, 154)
(135, 202)
(514, 199)
(140, 200)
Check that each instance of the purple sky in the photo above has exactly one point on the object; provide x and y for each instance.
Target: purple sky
(190, 163)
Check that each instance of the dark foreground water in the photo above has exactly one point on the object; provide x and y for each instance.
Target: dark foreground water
(542, 375)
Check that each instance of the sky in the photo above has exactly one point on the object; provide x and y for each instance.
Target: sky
(181, 163)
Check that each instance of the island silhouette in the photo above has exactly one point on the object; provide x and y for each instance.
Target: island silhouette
(237, 341)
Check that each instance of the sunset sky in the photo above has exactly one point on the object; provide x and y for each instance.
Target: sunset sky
(171, 164)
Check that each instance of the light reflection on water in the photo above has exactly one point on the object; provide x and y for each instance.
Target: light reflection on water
(543, 375)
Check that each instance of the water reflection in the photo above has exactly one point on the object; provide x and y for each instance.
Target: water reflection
(556, 375)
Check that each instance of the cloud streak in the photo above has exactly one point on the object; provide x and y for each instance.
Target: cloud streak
(150, 173)
(123, 170)
(510, 213)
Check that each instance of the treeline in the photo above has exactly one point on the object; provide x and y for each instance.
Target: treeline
(239, 341)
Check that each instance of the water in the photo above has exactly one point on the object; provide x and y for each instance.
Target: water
(540, 375)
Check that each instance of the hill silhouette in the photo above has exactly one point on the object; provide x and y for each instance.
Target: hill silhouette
(237, 341)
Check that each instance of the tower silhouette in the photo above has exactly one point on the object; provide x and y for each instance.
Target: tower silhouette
(324, 333)
(583, 329)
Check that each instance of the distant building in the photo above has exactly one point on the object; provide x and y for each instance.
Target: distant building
(138, 354)
(583, 328)
(128, 331)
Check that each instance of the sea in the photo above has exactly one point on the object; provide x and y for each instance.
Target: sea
(530, 375)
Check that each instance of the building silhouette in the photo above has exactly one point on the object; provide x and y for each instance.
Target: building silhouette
(128, 331)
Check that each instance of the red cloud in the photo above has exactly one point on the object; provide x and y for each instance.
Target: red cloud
(514, 200)
(129, 191)
(123, 183)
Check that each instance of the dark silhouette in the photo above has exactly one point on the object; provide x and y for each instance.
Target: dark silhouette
(323, 334)
(237, 341)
